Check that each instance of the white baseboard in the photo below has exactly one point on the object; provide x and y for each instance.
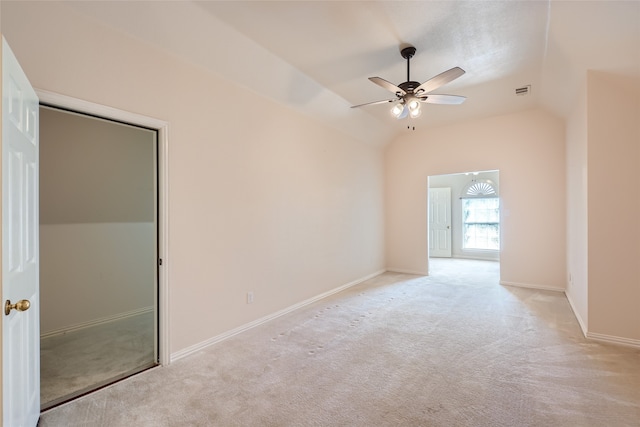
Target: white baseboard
(403, 271)
(96, 322)
(478, 257)
(611, 339)
(576, 313)
(532, 286)
(218, 338)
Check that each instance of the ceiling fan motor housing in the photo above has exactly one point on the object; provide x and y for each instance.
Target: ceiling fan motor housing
(408, 86)
(408, 52)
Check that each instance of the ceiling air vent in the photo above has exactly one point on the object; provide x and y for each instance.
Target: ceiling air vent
(524, 90)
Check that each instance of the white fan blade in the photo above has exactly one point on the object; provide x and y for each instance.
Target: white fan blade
(443, 99)
(439, 80)
(387, 85)
(374, 103)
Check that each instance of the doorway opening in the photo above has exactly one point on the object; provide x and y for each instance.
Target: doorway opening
(103, 238)
(464, 216)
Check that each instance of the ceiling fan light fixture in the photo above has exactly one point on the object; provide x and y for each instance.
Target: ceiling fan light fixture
(414, 104)
(396, 110)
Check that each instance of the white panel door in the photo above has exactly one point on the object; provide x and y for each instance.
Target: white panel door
(440, 222)
(20, 258)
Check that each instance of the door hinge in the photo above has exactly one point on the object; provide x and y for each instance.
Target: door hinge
(159, 261)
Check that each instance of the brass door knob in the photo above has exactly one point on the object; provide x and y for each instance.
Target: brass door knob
(22, 305)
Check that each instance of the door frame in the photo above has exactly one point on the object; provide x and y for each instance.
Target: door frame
(162, 127)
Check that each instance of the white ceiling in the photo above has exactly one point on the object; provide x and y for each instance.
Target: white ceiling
(315, 56)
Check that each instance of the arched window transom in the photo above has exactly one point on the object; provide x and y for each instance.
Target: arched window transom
(479, 188)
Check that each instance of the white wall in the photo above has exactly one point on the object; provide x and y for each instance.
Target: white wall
(262, 198)
(603, 207)
(94, 271)
(94, 170)
(577, 195)
(528, 149)
(457, 183)
(613, 110)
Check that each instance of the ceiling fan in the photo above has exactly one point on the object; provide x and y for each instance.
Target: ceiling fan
(410, 94)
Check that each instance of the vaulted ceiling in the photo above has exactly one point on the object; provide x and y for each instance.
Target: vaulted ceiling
(316, 56)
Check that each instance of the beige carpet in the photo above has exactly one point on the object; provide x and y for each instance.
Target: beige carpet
(76, 362)
(452, 349)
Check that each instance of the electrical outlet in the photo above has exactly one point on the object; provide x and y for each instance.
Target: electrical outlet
(249, 297)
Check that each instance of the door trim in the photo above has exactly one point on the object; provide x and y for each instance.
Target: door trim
(162, 127)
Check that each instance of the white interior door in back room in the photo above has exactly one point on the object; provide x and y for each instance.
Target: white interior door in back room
(440, 222)
(98, 239)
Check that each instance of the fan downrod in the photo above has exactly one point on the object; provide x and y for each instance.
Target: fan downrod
(407, 53)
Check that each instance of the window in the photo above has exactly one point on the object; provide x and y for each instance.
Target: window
(480, 216)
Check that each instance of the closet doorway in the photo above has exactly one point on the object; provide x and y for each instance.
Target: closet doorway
(98, 251)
